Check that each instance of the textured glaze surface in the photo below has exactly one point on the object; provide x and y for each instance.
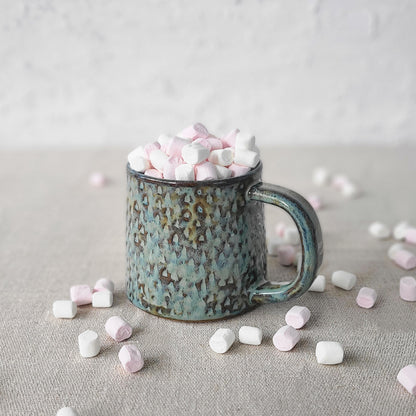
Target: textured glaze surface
(193, 250)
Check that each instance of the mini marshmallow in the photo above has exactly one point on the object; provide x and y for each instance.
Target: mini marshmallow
(318, 284)
(339, 181)
(286, 338)
(64, 309)
(158, 159)
(315, 202)
(410, 236)
(379, 230)
(104, 283)
(81, 294)
(205, 172)
(321, 176)
(286, 255)
(245, 141)
(408, 288)
(97, 179)
(222, 340)
(399, 231)
(130, 358)
(89, 343)
(229, 139)
(102, 299)
(223, 172)
(223, 157)
(404, 259)
(185, 173)
(238, 170)
(344, 280)
(329, 352)
(393, 249)
(203, 142)
(291, 235)
(164, 140)
(194, 153)
(366, 297)
(138, 160)
(194, 131)
(149, 147)
(407, 378)
(67, 411)
(154, 173)
(246, 157)
(350, 190)
(118, 328)
(171, 164)
(273, 244)
(250, 335)
(215, 143)
(297, 316)
(280, 229)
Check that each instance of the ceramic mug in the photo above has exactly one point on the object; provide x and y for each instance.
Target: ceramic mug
(196, 251)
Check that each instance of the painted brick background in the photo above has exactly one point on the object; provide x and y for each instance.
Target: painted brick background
(88, 73)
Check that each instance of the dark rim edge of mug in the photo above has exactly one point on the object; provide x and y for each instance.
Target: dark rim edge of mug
(191, 184)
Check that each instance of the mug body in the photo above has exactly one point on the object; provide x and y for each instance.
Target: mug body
(194, 249)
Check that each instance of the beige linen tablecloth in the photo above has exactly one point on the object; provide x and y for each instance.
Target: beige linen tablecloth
(56, 231)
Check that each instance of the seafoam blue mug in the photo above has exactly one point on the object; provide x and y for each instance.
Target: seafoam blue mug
(196, 251)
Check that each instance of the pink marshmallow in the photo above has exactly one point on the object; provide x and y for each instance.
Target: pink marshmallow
(229, 139)
(297, 316)
(130, 358)
(103, 284)
(215, 143)
(315, 202)
(238, 170)
(286, 255)
(148, 148)
(174, 147)
(340, 181)
(407, 378)
(118, 328)
(366, 297)
(280, 229)
(286, 338)
(170, 166)
(205, 171)
(204, 143)
(405, 259)
(154, 173)
(97, 179)
(194, 131)
(410, 236)
(81, 294)
(408, 288)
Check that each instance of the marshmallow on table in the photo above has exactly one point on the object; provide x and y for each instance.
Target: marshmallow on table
(297, 316)
(229, 139)
(321, 176)
(118, 328)
(205, 171)
(280, 229)
(286, 338)
(97, 179)
(171, 164)
(194, 131)
(273, 244)
(393, 249)
(89, 343)
(410, 236)
(81, 294)
(250, 335)
(350, 190)
(329, 352)
(399, 231)
(238, 170)
(154, 173)
(286, 255)
(223, 157)
(64, 309)
(245, 141)
(158, 158)
(315, 201)
(407, 378)
(102, 299)
(194, 153)
(185, 172)
(138, 160)
(408, 288)
(405, 259)
(344, 280)
(246, 157)
(379, 230)
(366, 297)
(291, 235)
(67, 411)
(104, 283)
(223, 172)
(339, 181)
(130, 358)
(222, 340)
(318, 284)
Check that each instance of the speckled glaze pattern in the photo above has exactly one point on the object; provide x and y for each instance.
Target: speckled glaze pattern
(196, 250)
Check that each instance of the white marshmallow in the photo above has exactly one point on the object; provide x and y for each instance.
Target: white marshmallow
(158, 159)
(245, 141)
(393, 249)
(89, 343)
(318, 284)
(321, 176)
(344, 280)
(297, 316)
(222, 340)
(291, 236)
(379, 230)
(164, 139)
(246, 157)
(223, 172)
(399, 231)
(194, 153)
(250, 335)
(273, 244)
(67, 411)
(104, 283)
(223, 157)
(138, 159)
(102, 299)
(329, 352)
(350, 190)
(185, 173)
(64, 309)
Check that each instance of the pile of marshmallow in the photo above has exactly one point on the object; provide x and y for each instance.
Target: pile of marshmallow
(194, 154)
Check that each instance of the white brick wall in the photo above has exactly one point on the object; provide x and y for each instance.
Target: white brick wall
(120, 72)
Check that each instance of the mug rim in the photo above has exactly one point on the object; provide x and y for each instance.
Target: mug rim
(192, 184)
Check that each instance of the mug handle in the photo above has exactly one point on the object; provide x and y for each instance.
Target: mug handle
(309, 229)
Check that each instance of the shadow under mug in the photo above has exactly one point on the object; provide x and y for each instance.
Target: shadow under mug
(196, 251)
